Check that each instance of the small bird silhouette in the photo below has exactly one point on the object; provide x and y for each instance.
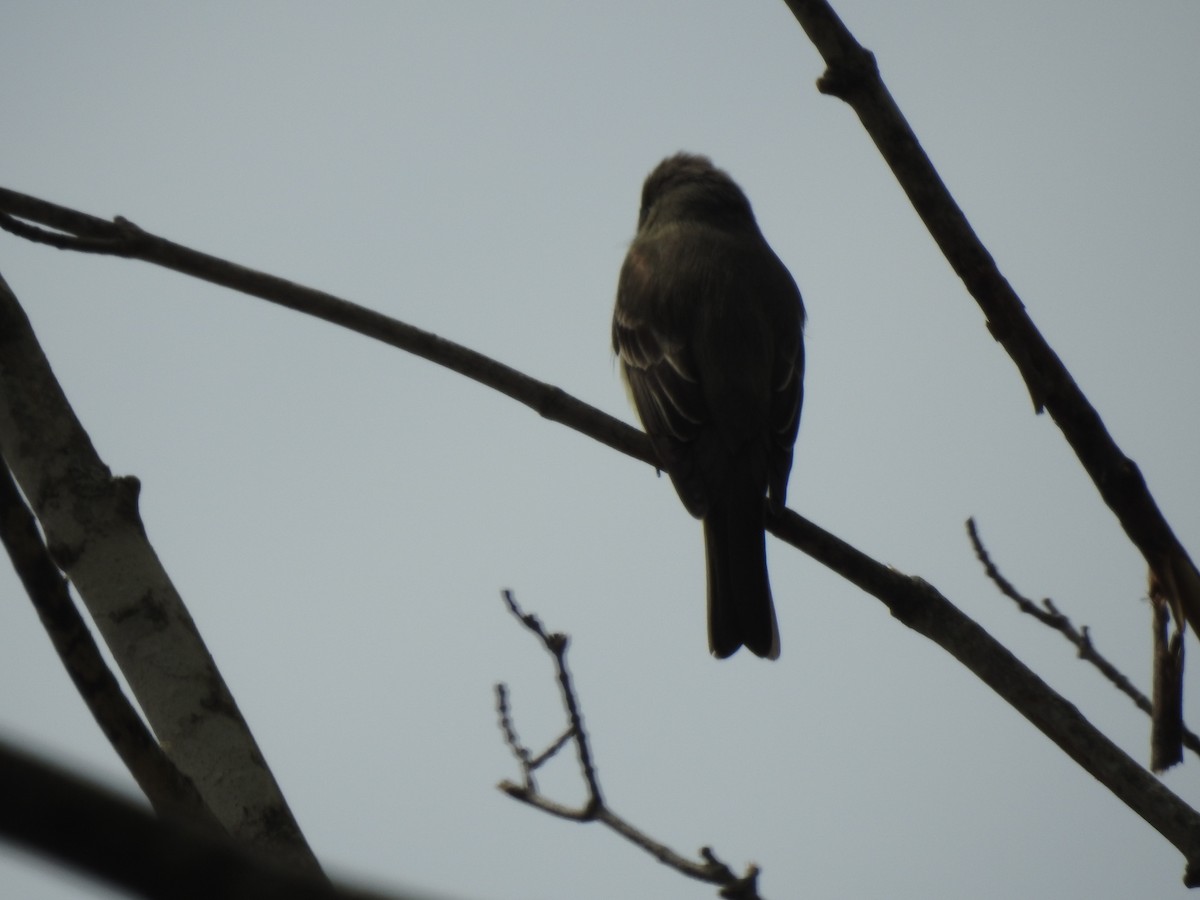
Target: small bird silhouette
(709, 328)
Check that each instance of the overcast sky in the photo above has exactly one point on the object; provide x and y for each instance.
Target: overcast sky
(340, 517)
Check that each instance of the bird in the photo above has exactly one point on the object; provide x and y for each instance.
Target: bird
(708, 329)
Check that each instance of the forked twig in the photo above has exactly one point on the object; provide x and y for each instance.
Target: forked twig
(1050, 615)
(594, 809)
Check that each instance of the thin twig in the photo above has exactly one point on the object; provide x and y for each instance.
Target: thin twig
(1050, 615)
(519, 750)
(711, 870)
(547, 754)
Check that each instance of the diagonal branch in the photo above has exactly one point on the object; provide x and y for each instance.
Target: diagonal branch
(168, 790)
(95, 534)
(125, 239)
(853, 76)
(922, 608)
(1050, 616)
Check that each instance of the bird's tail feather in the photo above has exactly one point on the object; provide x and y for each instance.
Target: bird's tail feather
(740, 610)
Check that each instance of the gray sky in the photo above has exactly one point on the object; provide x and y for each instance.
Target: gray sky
(340, 517)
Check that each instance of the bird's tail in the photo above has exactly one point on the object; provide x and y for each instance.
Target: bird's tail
(740, 610)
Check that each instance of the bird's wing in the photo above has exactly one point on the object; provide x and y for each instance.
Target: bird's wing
(787, 382)
(660, 373)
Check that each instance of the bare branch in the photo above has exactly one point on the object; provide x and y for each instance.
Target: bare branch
(1049, 614)
(519, 750)
(547, 400)
(95, 534)
(557, 643)
(169, 791)
(919, 606)
(711, 870)
(853, 76)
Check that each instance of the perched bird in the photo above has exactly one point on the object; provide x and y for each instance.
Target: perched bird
(709, 327)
